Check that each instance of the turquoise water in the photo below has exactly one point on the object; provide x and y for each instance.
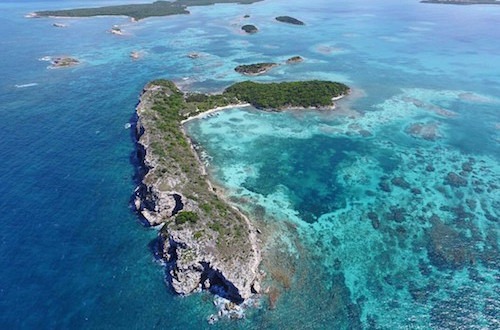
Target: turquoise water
(364, 227)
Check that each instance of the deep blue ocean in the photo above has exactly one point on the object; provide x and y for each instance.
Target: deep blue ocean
(383, 214)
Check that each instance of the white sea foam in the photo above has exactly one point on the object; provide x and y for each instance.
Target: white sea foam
(26, 85)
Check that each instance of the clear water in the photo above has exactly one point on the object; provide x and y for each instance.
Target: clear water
(73, 254)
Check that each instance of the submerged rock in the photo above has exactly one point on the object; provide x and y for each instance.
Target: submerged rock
(426, 131)
(385, 186)
(467, 166)
(374, 220)
(397, 214)
(416, 191)
(400, 182)
(471, 204)
(455, 180)
(446, 247)
(419, 294)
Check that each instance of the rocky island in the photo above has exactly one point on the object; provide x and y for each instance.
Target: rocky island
(255, 69)
(137, 11)
(289, 20)
(294, 59)
(463, 2)
(206, 242)
(63, 62)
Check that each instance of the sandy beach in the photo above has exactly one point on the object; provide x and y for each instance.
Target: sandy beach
(208, 112)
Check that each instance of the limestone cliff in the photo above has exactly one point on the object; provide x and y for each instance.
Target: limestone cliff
(206, 243)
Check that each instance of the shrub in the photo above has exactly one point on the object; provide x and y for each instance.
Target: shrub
(186, 216)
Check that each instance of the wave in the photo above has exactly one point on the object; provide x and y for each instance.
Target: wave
(26, 85)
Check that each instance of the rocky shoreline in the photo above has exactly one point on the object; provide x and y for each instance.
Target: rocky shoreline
(203, 255)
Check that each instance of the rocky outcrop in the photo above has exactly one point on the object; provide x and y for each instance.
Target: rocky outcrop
(250, 29)
(294, 60)
(63, 62)
(255, 69)
(215, 250)
(289, 20)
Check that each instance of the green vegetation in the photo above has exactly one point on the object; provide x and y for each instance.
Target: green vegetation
(139, 11)
(254, 69)
(186, 216)
(249, 28)
(305, 94)
(289, 20)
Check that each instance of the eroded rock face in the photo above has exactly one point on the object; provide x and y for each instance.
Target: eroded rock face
(192, 269)
(155, 205)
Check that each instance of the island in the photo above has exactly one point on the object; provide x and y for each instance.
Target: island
(289, 20)
(294, 59)
(463, 2)
(137, 11)
(249, 28)
(62, 62)
(255, 69)
(206, 242)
